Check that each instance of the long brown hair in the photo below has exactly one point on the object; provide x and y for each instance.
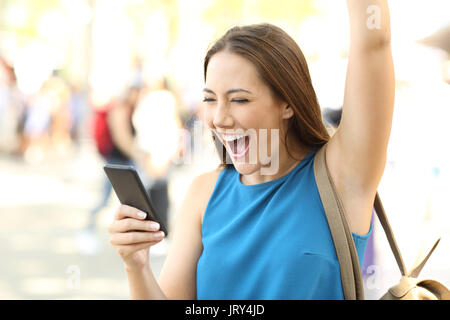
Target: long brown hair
(282, 66)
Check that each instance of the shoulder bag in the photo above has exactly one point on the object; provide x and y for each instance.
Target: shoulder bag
(409, 287)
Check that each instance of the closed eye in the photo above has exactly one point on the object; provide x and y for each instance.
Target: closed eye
(240, 100)
(208, 100)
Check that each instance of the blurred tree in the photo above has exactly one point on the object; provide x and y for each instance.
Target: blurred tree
(22, 16)
(223, 14)
(140, 11)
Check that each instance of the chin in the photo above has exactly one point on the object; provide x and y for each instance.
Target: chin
(245, 168)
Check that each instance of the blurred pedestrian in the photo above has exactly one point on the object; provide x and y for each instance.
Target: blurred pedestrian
(61, 117)
(333, 116)
(77, 103)
(114, 135)
(37, 124)
(158, 125)
(12, 109)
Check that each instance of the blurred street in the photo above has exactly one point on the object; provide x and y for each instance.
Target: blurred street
(43, 254)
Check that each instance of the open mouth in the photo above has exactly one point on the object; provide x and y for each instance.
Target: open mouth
(238, 146)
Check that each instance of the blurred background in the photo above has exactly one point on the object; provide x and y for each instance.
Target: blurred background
(89, 82)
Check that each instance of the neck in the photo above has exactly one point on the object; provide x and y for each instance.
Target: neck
(286, 164)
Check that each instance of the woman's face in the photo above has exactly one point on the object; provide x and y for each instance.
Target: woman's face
(237, 103)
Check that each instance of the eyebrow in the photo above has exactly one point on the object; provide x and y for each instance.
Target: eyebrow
(228, 92)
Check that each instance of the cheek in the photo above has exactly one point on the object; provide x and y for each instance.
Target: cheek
(266, 119)
(208, 117)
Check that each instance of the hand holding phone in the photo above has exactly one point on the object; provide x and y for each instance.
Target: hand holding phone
(130, 191)
(131, 233)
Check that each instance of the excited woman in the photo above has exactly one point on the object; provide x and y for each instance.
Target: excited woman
(243, 233)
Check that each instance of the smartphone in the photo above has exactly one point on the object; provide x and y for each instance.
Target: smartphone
(130, 191)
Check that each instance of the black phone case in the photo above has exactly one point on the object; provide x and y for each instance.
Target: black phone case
(130, 191)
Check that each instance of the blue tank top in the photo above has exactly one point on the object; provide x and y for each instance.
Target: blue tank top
(269, 241)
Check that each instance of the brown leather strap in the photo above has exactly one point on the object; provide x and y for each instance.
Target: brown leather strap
(350, 272)
(414, 272)
(381, 214)
(340, 231)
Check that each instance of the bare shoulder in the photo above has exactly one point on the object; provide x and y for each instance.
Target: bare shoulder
(197, 195)
(207, 178)
(202, 187)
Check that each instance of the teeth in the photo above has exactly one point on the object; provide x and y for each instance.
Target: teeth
(233, 137)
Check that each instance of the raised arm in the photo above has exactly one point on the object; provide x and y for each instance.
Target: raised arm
(356, 154)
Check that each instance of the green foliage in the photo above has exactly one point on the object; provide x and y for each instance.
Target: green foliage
(222, 14)
(32, 11)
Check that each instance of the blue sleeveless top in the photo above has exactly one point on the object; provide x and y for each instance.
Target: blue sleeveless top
(269, 241)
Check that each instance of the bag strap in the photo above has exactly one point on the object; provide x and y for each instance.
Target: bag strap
(351, 277)
(381, 214)
(415, 270)
(343, 240)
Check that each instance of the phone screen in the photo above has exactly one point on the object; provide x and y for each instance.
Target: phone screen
(130, 190)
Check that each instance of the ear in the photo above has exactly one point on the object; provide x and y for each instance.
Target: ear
(287, 112)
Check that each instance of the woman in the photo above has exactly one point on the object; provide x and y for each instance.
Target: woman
(244, 234)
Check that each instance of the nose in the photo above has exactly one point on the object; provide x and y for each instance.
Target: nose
(222, 118)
